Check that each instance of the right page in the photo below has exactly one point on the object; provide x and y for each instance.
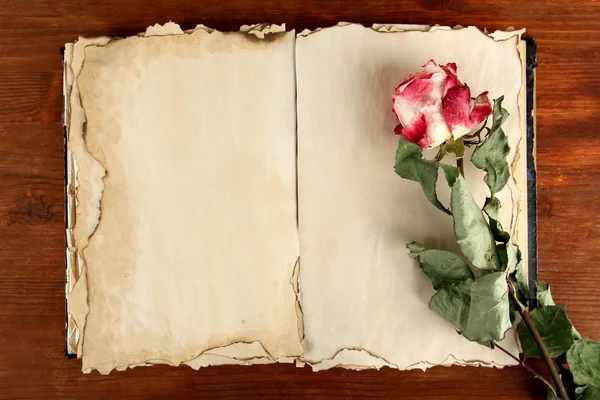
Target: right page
(365, 302)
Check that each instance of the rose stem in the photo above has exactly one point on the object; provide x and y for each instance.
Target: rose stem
(461, 166)
(540, 343)
(527, 367)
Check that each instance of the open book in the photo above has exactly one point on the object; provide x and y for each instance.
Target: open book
(232, 198)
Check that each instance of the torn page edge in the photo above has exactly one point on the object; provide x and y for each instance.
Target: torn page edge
(79, 195)
(497, 36)
(514, 159)
(348, 358)
(294, 281)
(262, 30)
(519, 168)
(169, 28)
(209, 357)
(451, 360)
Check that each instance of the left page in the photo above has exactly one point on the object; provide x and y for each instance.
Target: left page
(183, 181)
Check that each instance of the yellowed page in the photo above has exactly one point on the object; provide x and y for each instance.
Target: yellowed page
(197, 238)
(359, 290)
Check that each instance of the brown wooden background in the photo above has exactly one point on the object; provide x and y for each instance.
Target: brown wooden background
(32, 363)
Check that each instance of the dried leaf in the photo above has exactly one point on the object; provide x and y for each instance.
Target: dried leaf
(452, 303)
(472, 231)
(553, 326)
(490, 155)
(489, 317)
(443, 267)
(543, 294)
(411, 165)
(491, 207)
(584, 362)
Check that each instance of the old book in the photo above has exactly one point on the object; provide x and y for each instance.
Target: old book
(232, 200)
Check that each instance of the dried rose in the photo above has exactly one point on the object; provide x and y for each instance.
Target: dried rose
(433, 106)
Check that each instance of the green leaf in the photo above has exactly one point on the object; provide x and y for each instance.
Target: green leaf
(514, 257)
(510, 259)
(499, 114)
(417, 248)
(491, 207)
(554, 327)
(543, 295)
(522, 284)
(544, 298)
(489, 317)
(588, 392)
(472, 231)
(490, 155)
(452, 303)
(411, 165)
(443, 267)
(451, 173)
(584, 362)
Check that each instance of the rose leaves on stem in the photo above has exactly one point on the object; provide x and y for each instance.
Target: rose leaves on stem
(489, 312)
(411, 165)
(473, 292)
(472, 231)
(554, 327)
(443, 267)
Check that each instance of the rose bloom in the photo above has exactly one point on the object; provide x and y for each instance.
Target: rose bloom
(434, 106)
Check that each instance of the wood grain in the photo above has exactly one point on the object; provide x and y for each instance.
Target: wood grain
(32, 363)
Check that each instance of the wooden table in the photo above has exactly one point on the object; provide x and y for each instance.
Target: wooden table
(32, 272)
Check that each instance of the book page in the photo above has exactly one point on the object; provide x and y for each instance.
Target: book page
(365, 302)
(194, 242)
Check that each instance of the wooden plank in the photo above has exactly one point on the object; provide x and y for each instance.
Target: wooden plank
(32, 363)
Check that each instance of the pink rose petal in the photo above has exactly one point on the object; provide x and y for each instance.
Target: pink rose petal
(410, 78)
(417, 94)
(452, 80)
(450, 67)
(428, 129)
(429, 68)
(434, 106)
(461, 113)
(398, 129)
(437, 129)
(415, 131)
(482, 107)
